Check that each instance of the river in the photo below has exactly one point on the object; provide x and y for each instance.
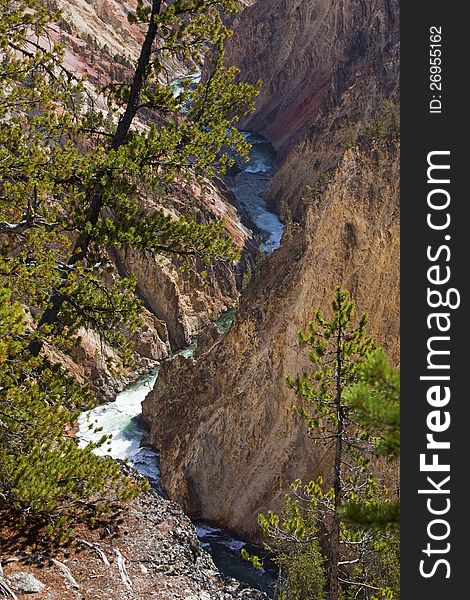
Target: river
(251, 185)
(120, 419)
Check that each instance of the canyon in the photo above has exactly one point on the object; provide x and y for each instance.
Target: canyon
(230, 444)
(100, 45)
(212, 424)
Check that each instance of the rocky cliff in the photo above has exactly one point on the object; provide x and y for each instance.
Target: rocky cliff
(181, 299)
(331, 72)
(100, 44)
(229, 442)
(326, 66)
(99, 41)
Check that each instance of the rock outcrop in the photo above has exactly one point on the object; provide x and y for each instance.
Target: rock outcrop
(229, 442)
(100, 43)
(94, 362)
(149, 551)
(181, 299)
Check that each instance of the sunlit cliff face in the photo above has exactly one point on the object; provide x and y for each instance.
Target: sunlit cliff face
(99, 40)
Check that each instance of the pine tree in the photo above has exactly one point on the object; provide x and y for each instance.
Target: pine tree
(45, 478)
(74, 185)
(339, 401)
(375, 399)
(337, 349)
(292, 540)
(71, 188)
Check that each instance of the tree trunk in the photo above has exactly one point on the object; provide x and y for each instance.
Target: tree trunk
(81, 247)
(337, 485)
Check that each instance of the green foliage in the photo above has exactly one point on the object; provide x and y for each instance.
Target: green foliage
(296, 540)
(292, 539)
(44, 475)
(305, 572)
(349, 137)
(338, 350)
(375, 399)
(252, 558)
(290, 226)
(315, 192)
(372, 512)
(247, 276)
(384, 125)
(349, 402)
(75, 185)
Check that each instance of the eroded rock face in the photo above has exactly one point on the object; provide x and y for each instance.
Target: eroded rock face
(94, 362)
(176, 303)
(99, 41)
(230, 444)
(179, 298)
(326, 66)
(306, 52)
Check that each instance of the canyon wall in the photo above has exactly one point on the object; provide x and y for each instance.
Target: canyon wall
(180, 298)
(230, 444)
(99, 41)
(326, 67)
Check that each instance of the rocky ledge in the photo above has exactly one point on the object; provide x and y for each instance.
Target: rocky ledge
(150, 551)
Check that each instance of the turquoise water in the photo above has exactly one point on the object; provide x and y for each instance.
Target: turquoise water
(224, 322)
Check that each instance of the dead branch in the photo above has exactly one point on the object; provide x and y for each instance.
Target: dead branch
(66, 572)
(98, 550)
(4, 587)
(122, 568)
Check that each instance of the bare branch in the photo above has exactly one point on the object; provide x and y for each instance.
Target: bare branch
(25, 224)
(360, 583)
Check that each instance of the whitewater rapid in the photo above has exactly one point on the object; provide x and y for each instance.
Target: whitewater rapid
(251, 186)
(120, 421)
